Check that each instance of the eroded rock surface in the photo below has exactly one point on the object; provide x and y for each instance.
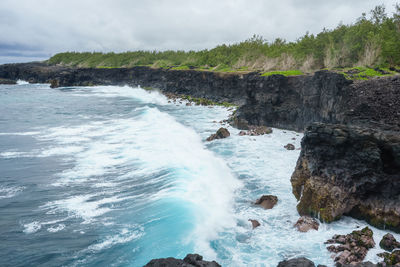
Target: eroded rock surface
(389, 243)
(351, 248)
(306, 223)
(297, 262)
(349, 170)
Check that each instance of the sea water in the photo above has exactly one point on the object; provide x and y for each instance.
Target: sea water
(117, 176)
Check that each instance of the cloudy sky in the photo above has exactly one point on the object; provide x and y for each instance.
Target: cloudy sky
(37, 29)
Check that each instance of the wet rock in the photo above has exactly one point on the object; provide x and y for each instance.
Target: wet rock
(391, 259)
(54, 83)
(254, 223)
(188, 104)
(352, 247)
(389, 243)
(242, 133)
(289, 147)
(256, 130)
(221, 133)
(297, 262)
(306, 223)
(349, 170)
(191, 260)
(267, 201)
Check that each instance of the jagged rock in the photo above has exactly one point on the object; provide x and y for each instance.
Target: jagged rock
(221, 133)
(191, 260)
(267, 201)
(391, 259)
(256, 130)
(242, 133)
(254, 223)
(297, 262)
(306, 223)
(352, 248)
(289, 147)
(389, 243)
(361, 264)
(349, 170)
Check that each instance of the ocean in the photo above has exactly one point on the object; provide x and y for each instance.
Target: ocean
(117, 176)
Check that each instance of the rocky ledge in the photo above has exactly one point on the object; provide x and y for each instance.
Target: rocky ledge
(349, 170)
(191, 260)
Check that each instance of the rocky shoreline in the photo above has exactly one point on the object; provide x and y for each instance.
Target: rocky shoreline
(350, 155)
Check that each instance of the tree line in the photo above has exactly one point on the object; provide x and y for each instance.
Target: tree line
(373, 40)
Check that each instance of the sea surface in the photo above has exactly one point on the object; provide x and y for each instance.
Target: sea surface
(117, 176)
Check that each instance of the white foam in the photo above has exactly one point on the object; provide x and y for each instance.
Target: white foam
(10, 191)
(54, 229)
(32, 227)
(126, 235)
(145, 96)
(22, 82)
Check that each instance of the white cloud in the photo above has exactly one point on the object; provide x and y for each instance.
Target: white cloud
(41, 28)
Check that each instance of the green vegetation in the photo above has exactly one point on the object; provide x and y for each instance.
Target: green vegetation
(372, 41)
(364, 73)
(284, 73)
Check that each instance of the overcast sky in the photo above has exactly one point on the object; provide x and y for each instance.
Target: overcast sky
(36, 29)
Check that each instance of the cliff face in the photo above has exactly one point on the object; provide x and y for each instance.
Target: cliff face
(349, 170)
(349, 163)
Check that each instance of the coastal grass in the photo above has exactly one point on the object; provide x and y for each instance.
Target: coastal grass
(365, 73)
(284, 73)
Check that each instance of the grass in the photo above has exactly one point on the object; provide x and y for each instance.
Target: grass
(364, 73)
(284, 73)
(183, 67)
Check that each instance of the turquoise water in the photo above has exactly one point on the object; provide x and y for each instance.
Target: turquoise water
(116, 176)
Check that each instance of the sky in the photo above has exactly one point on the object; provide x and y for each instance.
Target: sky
(33, 30)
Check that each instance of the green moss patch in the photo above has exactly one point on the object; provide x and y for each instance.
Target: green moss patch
(284, 73)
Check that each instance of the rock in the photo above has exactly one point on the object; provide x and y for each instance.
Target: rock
(7, 81)
(352, 247)
(242, 133)
(191, 260)
(54, 83)
(221, 133)
(188, 104)
(391, 259)
(267, 201)
(297, 262)
(389, 243)
(254, 223)
(306, 223)
(349, 170)
(289, 147)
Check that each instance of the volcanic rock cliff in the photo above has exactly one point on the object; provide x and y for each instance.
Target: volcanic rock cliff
(350, 158)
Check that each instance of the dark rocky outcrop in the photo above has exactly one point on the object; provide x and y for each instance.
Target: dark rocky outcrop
(297, 262)
(267, 201)
(349, 170)
(305, 224)
(191, 260)
(256, 130)
(389, 243)
(220, 134)
(352, 248)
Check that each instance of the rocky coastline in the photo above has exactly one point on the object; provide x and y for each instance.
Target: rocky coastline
(350, 155)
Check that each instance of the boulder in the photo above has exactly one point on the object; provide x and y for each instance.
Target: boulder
(289, 147)
(306, 223)
(297, 262)
(352, 247)
(191, 260)
(221, 133)
(54, 83)
(254, 223)
(389, 243)
(267, 201)
(391, 259)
